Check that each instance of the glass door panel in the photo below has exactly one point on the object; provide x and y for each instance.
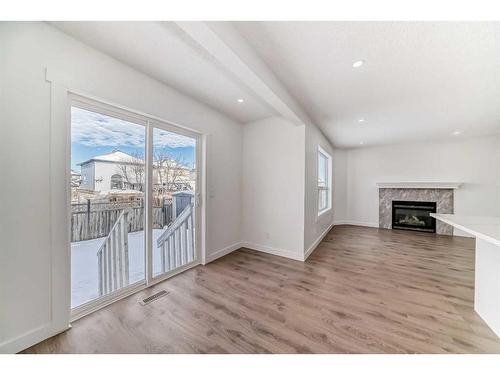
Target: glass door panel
(107, 203)
(173, 195)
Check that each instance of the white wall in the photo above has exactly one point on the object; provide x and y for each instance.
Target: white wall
(340, 199)
(26, 50)
(473, 161)
(273, 187)
(280, 206)
(314, 226)
(103, 172)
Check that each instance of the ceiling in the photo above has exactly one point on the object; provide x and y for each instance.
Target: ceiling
(419, 81)
(164, 52)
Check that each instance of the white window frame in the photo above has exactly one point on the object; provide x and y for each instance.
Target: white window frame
(328, 187)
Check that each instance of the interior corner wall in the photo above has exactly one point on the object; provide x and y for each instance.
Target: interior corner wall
(316, 227)
(26, 272)
(340, 192)
(473, 161)
(273, 187)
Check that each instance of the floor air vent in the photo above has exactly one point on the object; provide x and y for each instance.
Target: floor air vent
(154, 297)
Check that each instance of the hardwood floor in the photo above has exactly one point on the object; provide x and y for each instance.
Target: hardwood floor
(363, 290)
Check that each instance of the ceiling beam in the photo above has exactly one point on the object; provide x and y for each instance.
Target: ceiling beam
(232, 52)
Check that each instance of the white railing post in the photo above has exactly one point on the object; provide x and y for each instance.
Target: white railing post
(126, 267)
(113, 263)
(162, 257)
(190, 237)
(99, 272)
(171, 253)
(183, 241)
(176, 243)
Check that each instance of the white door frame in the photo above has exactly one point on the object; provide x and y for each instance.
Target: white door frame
(149, 123)
(87, 84)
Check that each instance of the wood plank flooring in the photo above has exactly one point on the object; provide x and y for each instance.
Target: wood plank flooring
(363, 290)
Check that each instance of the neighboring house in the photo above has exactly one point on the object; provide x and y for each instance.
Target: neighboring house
(118, 170)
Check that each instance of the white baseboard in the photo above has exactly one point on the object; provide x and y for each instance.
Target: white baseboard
(339, 222)
(254, 246)
(317, 242)
(221, 252)
(273, 251)
(358, 223)
(30, 338)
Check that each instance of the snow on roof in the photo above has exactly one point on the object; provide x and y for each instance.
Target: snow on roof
(118, 156)
(115, 156)
(183, 179)
(171, 164)
(116, 191)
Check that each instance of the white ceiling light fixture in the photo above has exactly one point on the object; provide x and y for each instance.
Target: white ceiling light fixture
(456, 132)
(358, 64)
(361, 120)
(240, 100)
(361, 143)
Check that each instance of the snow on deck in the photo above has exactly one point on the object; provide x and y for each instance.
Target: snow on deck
(84, 276)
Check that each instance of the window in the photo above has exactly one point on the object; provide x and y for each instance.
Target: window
(324, 181)
(116, 182)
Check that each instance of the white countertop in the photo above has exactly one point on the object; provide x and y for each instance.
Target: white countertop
(484, 227)
(419, 185)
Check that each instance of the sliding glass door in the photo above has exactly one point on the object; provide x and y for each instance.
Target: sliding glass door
(134, 213)
(174, 191)
(107, 202)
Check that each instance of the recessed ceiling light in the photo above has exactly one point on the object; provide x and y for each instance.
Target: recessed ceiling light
(358, 63)
(457, 132)
(361, 143)
(361, 120)
(240, 100)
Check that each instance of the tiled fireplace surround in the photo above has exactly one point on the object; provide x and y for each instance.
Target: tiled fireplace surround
(442, 197)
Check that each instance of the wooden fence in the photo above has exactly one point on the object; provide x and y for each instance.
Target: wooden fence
(99, 205)
(90, 224)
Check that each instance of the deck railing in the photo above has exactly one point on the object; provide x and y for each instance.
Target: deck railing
(176, 244)
(113, 261)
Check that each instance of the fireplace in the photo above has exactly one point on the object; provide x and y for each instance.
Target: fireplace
(410, 215)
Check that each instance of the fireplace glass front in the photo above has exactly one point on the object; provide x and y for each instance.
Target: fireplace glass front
(415, 216)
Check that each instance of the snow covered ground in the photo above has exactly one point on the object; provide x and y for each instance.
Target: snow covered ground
(84, 277)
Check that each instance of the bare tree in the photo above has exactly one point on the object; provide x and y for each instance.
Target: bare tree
(133, 173)
(169, 167)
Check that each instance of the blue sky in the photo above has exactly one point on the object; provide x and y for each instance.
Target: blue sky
(95, 134)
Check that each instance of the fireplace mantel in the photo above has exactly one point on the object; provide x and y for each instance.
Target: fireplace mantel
(419, 185)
